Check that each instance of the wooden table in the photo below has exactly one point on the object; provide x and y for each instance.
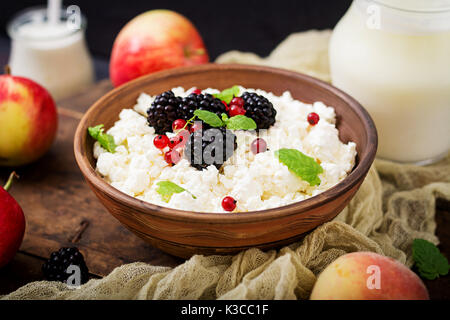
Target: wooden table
(61, 210)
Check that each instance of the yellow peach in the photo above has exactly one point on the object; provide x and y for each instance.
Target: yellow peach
(368, 276)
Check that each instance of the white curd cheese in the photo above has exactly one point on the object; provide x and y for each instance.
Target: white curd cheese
(256, 182)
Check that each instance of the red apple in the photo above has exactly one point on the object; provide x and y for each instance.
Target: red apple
(28, 120)
(12, 225)
(153, 41)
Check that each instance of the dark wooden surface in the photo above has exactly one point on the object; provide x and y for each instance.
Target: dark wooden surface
(62, 211)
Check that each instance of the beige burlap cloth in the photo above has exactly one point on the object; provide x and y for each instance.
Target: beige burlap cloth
(395, 204)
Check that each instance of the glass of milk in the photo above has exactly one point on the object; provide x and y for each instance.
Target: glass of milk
(54, 54)
(394, 57)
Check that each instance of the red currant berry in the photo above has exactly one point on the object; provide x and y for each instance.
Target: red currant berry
(183, 136)
(226, 105)
(238, 101)
(161, 142)
(174, 141)
(179, 140)
(313, 118)
(172, 157)
(168, 157)
(196, 126)
(235, 110)
(258, 145)
(178, 124)
(197, 91)
(228, 204)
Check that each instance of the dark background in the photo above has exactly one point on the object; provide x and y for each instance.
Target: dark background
(246, 25)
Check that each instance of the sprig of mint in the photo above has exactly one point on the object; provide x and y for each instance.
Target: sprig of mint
(168, 188)
(429, 260)
(303, 166)
(239, 122)
(105, 140)
(209, 117)
(228, 94)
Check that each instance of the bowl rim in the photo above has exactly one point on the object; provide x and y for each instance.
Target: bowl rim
(358, 172)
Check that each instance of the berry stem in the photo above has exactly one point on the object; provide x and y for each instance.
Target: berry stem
(10, 180)
(7, 69)
(199, 51)
(189, 52)
(187, 123)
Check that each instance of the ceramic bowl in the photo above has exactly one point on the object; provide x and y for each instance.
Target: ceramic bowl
(184, 233)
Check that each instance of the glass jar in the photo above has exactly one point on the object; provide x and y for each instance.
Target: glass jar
(54, 55)
(394, 57)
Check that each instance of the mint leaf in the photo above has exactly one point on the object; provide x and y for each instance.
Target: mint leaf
(209, 117)
(240, 122)
(105, 140)
(303, 166)
(228, 94)
(167, 189)
(429, 260)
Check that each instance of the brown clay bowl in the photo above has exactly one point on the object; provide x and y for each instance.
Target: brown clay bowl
(184, 233)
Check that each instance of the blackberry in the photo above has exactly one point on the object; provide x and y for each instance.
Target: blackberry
(54, 269)
(201, 149)
(260, 109)
(206, 102)
(163, 111)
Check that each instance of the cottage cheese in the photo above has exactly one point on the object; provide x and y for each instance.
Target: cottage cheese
(257, 182)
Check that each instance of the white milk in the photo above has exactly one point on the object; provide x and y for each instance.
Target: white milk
(397, 64)
(54, 55)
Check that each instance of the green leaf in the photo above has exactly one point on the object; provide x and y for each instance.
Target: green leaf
(209, 117)
(240, 122)
(429, 260)
(224, 117)
(303, 166)
(105, 140)
(228, 94)
(168, 188)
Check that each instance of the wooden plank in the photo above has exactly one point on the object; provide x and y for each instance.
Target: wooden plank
(85, 99)
(22, 270)
(439, 289)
